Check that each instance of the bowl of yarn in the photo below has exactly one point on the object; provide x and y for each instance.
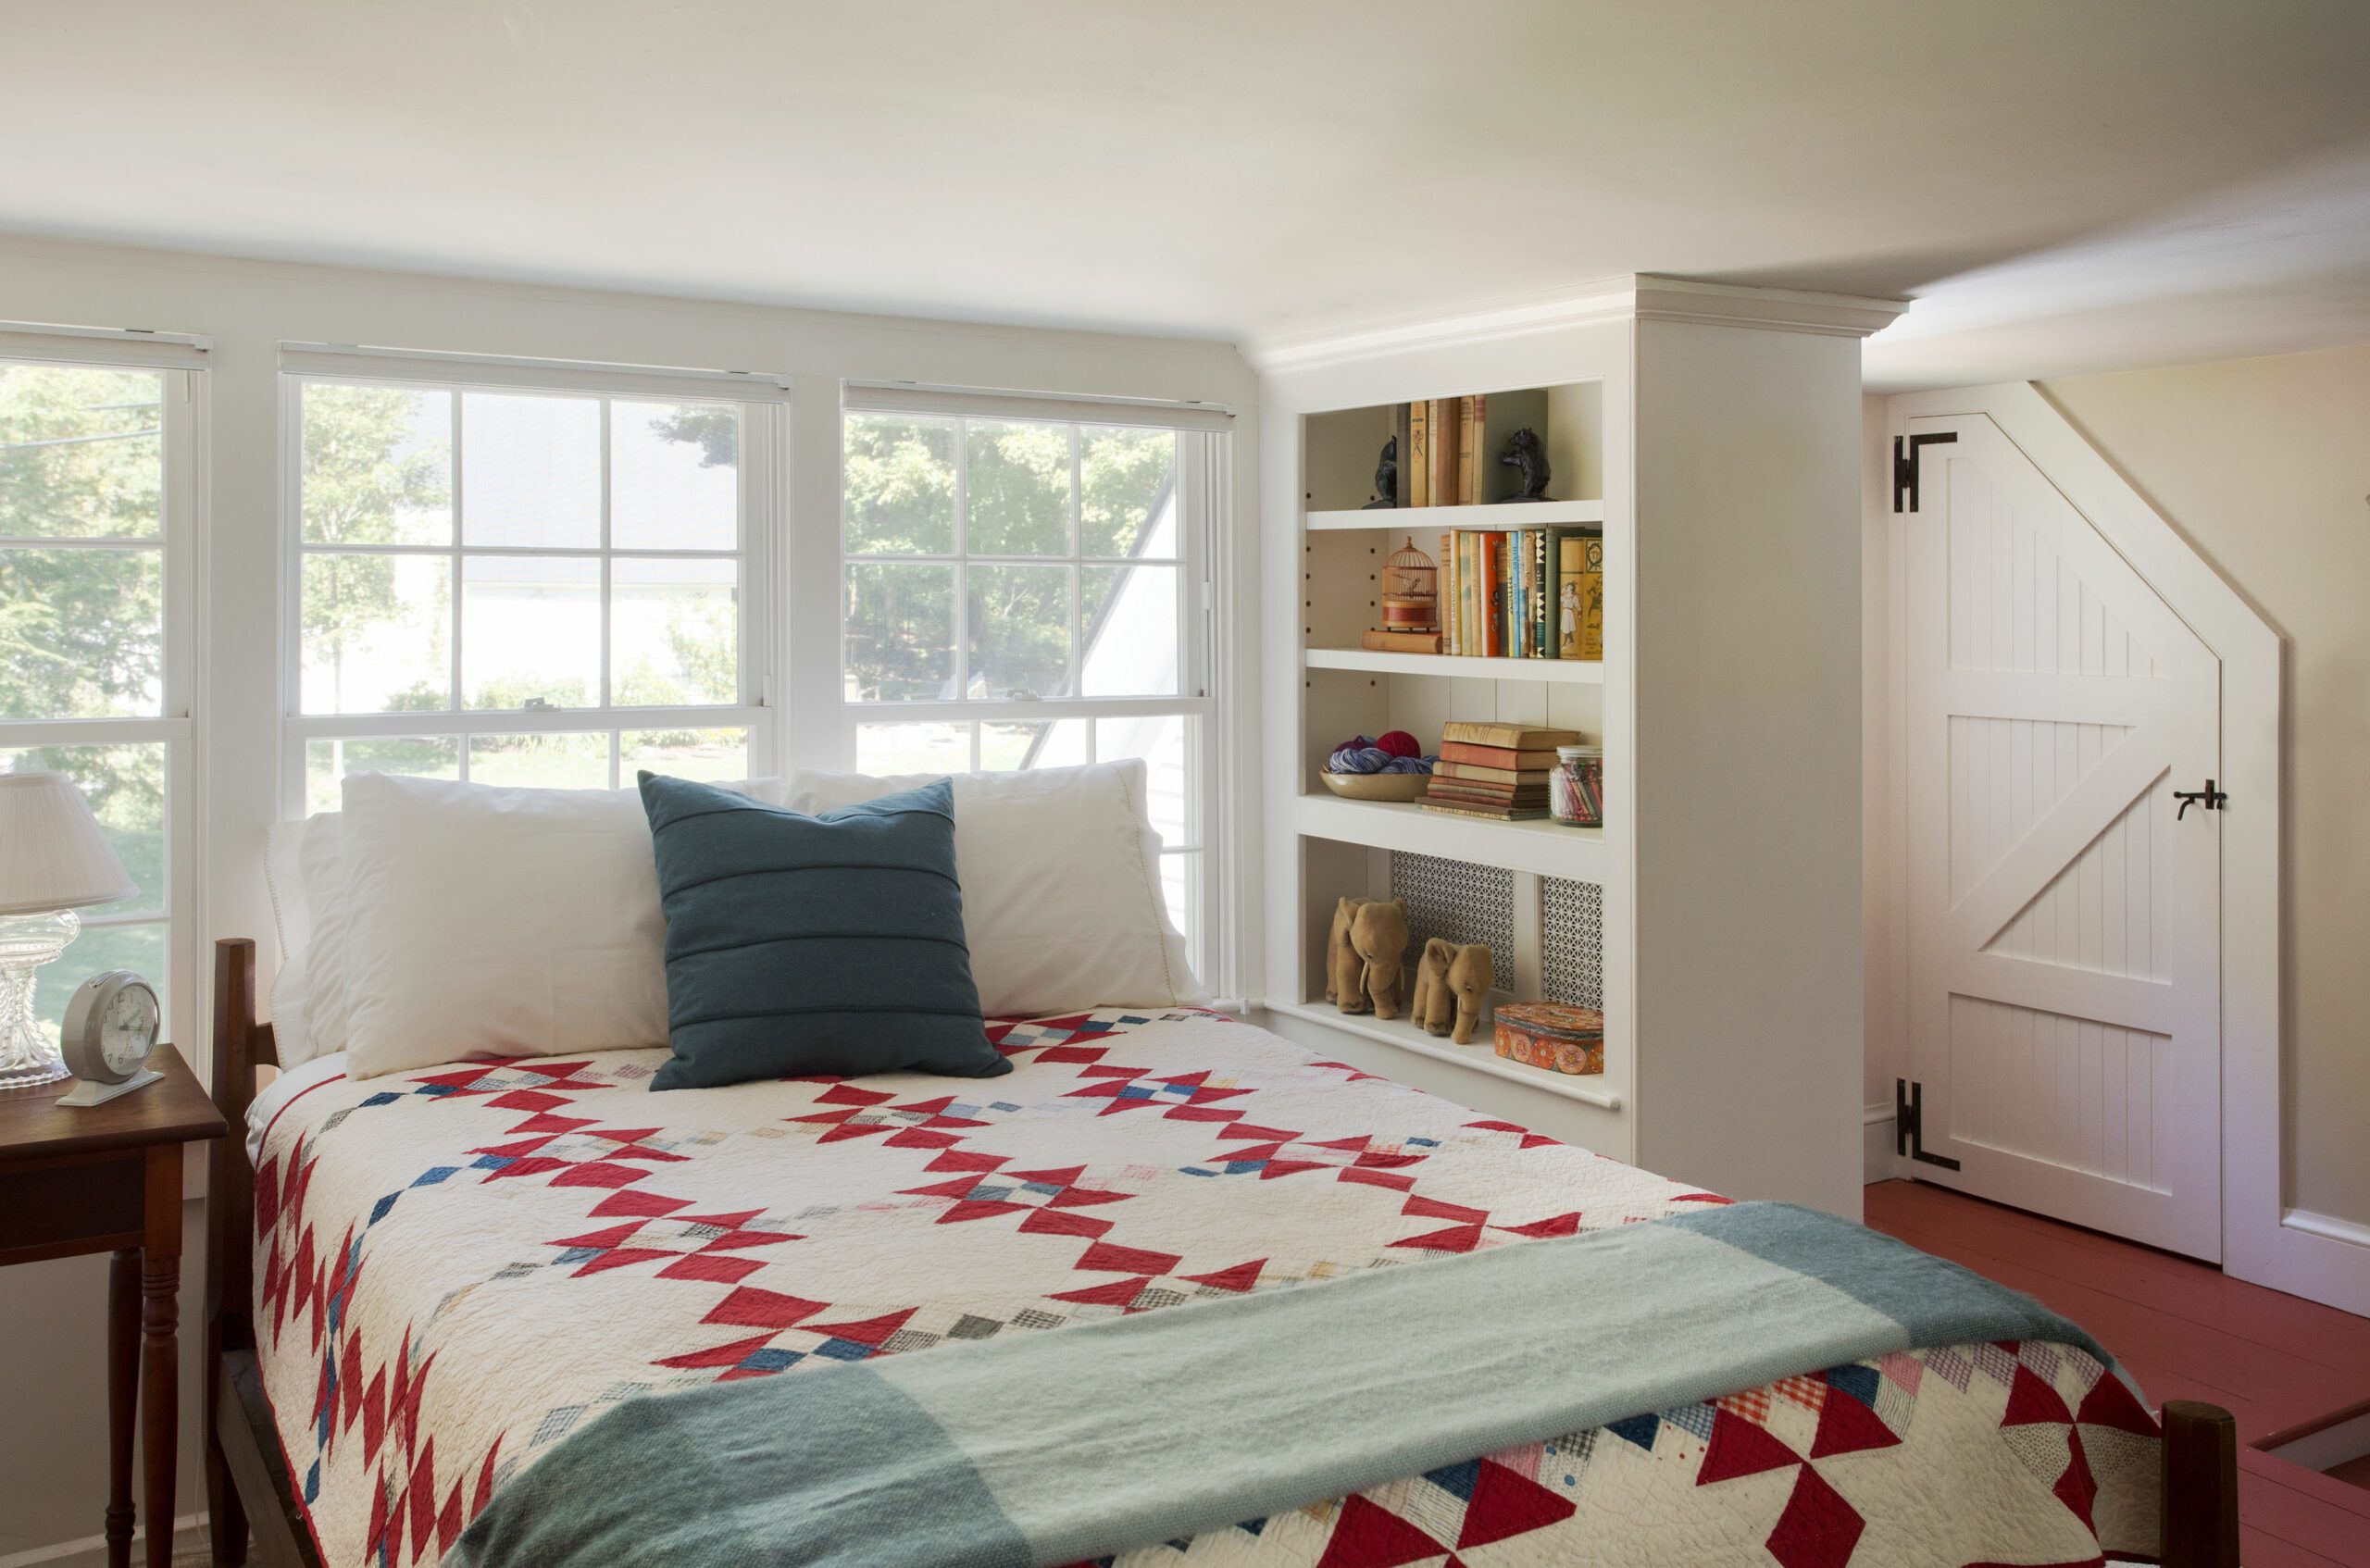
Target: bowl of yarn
(1387, 767)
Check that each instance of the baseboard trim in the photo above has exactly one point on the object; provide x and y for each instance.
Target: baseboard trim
(93, 1550)
(1878, 1160)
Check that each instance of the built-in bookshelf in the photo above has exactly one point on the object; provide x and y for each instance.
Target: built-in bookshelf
(1718, 921)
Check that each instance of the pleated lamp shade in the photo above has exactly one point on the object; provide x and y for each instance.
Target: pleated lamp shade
(52, 854)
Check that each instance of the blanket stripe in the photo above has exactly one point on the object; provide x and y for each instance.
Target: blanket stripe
(1037, 1451)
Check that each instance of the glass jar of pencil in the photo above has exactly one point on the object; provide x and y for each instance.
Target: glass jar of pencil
(1577, 798)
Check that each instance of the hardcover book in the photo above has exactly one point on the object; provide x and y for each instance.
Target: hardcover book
(1580, 597)
(1496, 757)
(1522, 737)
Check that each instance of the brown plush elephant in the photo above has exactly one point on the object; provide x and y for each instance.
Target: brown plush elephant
(1450, 983)
(1342, 968)
(1378, 936)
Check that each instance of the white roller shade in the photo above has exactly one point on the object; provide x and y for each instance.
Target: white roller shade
(344, 362)
(101, 345)
(870, 397)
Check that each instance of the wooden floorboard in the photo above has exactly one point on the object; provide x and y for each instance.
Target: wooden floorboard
(2184, 1331)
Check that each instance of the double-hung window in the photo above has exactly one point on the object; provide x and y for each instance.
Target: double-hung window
(1022, 589)
(537, 577)
(98, 437)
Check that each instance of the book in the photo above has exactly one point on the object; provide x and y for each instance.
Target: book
(1521, 737)
(1496, 814)
(1467, 446)
(1458, 790)
(1415, 456)
(1496, 757)
(1580, 597)
(1517, 594)
(1399, 641)
(1479, 772)
(1499, 416)
(1542, 637)
(1444, 452)
(1446, 591)
(1495, 614)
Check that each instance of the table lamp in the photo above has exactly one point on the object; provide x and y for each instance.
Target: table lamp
(54, 859)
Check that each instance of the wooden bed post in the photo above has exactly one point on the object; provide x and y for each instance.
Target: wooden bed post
(229, 1224)
(2201, 1461)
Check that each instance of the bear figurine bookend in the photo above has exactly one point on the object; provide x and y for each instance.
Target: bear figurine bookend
(1450, 983)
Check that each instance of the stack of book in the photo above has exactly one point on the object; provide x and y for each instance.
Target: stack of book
(1494, 770)
(1449, 447)
(1523, 593)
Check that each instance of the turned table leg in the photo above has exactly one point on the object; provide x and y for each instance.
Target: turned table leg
(160, 1278)
(123, 1360)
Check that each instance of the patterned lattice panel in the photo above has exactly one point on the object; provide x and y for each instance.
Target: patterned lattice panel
(1459, 900)
(1572, 935)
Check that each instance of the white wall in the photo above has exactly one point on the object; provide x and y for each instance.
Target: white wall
(2264, 465)
(52, 1468)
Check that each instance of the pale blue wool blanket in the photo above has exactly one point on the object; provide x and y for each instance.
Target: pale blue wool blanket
(1033, 1450)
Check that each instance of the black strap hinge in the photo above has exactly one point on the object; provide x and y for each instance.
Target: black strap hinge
(1905, 465)
(1909, 1125)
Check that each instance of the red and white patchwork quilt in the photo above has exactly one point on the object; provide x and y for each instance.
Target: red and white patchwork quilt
(459, 1266)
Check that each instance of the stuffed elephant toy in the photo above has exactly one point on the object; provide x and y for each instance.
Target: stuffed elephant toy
(1378, 936)
(1343, 968)
(1450, 983)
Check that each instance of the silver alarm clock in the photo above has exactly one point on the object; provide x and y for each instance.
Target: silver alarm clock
(110, 1027)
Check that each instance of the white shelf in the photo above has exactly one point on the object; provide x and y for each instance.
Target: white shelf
(1506, 515)
(1583, 672)
(1542, 845)
(1480, 1058)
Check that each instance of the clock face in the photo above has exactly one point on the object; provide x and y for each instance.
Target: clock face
(128, 1028)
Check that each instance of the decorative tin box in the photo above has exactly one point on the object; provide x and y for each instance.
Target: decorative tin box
(1554, 1035)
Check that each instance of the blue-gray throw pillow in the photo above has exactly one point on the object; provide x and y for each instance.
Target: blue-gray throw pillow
(799, 945)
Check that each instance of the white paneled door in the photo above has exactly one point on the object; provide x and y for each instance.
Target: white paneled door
(2064, 900)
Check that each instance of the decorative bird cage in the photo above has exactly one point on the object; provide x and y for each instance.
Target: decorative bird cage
(1410, 592)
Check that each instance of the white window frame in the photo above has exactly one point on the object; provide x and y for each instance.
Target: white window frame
(1204, 502)
(762, 485)
(183, 424)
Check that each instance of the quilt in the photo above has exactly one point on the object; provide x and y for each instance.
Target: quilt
(459, 1267)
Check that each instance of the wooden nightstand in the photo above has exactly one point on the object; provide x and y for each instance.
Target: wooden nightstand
(107, 1178)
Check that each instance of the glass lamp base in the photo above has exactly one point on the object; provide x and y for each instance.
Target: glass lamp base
(28, 1056)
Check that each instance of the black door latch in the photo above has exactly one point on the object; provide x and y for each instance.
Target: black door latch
(2210, 798)
(1906, 464)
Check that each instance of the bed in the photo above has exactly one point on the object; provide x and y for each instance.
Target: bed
(420, 1285)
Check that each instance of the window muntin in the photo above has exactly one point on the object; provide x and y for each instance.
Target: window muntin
(94, 503)
(1026, 592)
(540, 586)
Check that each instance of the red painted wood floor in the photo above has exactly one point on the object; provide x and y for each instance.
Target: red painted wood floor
(2276, 1362)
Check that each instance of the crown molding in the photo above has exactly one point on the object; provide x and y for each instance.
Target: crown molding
(1638, 297)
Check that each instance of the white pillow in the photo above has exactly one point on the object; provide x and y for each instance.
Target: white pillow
(305, 863)
(1061, 885)
(497, 922)
(304, 867)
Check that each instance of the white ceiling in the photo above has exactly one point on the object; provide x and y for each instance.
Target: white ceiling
(2066, 184)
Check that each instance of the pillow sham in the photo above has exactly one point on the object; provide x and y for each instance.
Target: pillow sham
(802, 944)
(1061, 885)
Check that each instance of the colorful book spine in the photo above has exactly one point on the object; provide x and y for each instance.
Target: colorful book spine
(1446, 592)
(1469, 456)
(1542, 645)
(1467, 439)
(1414, 469)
